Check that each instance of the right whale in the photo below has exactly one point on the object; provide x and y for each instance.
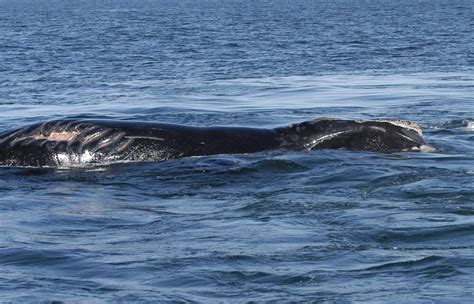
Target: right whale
(70, 142)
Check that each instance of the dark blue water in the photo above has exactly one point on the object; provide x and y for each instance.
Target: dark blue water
(322, 226)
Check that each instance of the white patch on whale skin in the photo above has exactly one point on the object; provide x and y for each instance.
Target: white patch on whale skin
(378, 129)
(405, 124)
(144, 137)
(94, 136)
(71, 159)
(321, 139)
(57, 136)
(422, 148)
(426, 148)
(406, 137)
(400, 123)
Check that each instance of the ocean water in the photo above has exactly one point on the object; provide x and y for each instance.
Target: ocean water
(321, 226)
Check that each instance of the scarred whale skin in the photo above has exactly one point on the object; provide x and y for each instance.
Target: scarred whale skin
(72, 142)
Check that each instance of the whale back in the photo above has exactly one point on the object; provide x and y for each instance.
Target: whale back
(77, 142)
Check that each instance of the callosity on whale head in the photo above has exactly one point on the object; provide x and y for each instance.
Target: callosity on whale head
(377, 136)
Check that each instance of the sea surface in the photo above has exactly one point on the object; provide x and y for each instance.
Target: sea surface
(321, 226)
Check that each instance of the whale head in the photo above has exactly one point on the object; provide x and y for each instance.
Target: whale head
(377, 136)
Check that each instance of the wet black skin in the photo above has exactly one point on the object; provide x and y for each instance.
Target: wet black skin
(108, 141)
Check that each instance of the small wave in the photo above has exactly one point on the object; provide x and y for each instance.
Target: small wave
(278, 165)
(425, 261)
(265, 165)
(28, 257)
(430, 267)
(439, 235)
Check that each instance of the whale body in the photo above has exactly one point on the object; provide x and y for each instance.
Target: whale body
(71, 142)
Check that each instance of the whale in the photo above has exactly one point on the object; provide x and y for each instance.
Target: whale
(70, 142)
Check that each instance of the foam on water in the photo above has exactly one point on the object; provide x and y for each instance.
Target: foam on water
(469, 127)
